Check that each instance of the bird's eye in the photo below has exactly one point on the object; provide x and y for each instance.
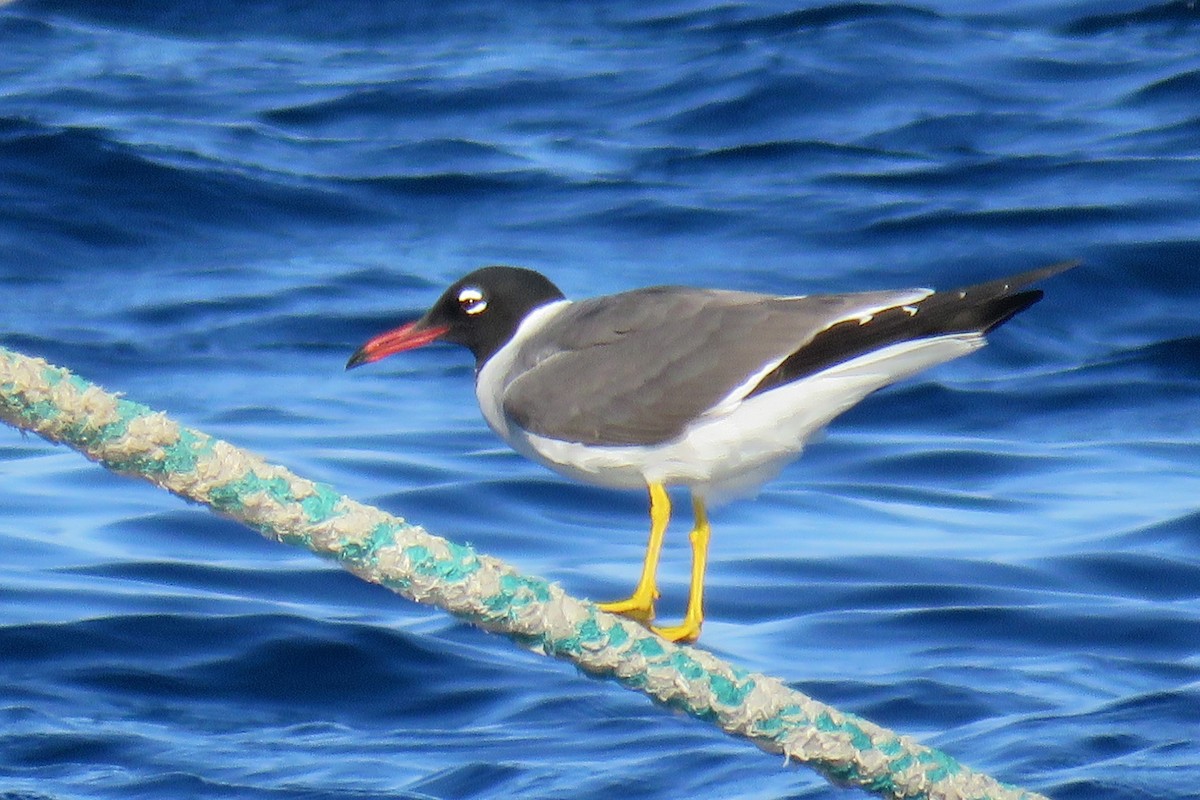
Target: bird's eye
(471, 301)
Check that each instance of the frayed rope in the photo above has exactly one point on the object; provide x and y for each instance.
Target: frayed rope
(134, 440)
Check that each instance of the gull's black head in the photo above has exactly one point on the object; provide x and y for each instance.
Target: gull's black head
(480, 311)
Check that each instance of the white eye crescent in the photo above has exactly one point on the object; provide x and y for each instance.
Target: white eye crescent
(471, 300)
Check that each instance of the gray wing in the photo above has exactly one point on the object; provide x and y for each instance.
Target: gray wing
(636, 368)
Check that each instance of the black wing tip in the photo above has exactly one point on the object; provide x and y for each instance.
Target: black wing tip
(978, 309)
(998, 301)
(1008, 306)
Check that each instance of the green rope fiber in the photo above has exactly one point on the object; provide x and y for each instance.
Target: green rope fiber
(135, 440)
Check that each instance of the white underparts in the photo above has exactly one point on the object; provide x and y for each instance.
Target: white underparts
(738, 444)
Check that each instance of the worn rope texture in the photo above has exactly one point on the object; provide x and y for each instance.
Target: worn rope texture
(135, 440)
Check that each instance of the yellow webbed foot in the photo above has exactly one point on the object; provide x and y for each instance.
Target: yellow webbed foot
(687, 631)
(638, 606)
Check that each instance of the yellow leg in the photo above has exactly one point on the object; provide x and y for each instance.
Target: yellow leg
(689, 629)
(640, 605)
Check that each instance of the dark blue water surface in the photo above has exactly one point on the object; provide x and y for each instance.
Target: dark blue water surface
(208, 206)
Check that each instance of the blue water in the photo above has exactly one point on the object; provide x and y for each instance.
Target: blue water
(208, 206)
